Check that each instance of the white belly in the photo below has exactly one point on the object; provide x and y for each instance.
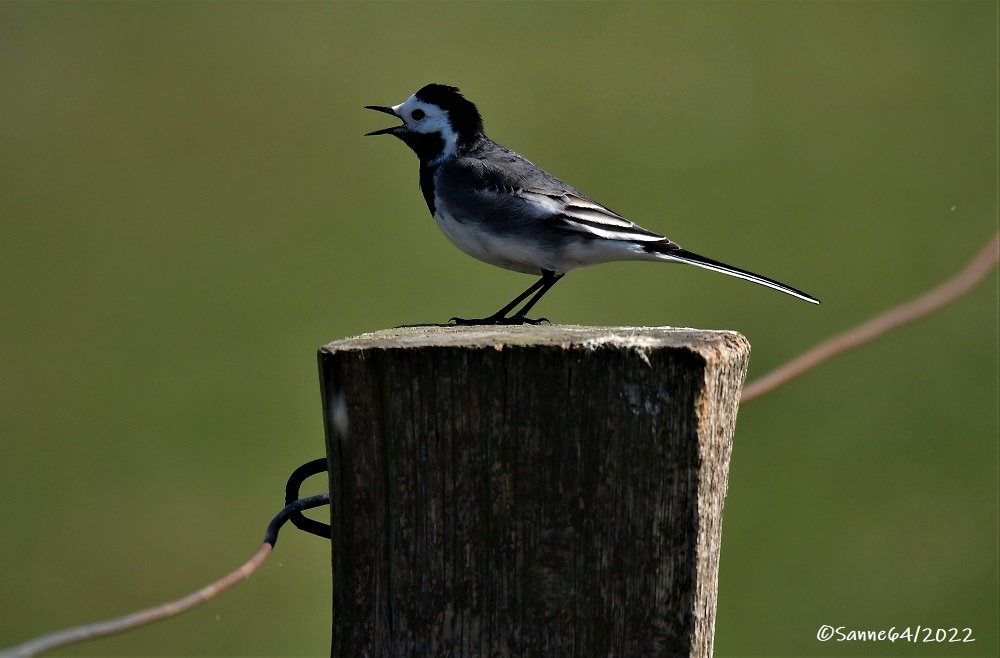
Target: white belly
(507, 251)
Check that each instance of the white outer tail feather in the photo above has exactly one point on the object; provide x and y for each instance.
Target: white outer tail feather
(684, 256)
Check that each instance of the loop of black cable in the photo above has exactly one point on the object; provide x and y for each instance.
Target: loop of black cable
(295, 480)
(289, 512)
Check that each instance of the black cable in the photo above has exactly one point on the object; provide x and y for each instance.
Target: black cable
(289, 513)
(295, 480)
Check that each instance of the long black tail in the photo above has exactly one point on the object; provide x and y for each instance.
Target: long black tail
(670, 251)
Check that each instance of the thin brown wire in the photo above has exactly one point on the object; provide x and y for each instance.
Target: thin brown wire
(940, 296)
(66, 637)
(70, 636)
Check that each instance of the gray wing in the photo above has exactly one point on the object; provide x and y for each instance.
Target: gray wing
(504, 190)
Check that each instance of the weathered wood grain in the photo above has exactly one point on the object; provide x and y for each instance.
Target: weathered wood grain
(528, 491)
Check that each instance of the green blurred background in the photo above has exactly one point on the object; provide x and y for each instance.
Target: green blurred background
(188, 210)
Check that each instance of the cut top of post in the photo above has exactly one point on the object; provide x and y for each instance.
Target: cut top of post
(712, 345)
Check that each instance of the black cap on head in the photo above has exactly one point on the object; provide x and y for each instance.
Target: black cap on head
(463, 114)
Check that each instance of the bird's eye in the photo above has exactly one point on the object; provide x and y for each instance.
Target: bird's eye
(417, 115)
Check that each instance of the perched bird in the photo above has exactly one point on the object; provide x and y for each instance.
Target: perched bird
(502, 209)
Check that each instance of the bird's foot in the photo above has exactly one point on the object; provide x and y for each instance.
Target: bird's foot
(422, 325)
(498, 320)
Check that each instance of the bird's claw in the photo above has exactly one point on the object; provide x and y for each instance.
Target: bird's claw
(494, 320)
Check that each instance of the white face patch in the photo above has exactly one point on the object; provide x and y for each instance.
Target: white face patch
(426, 118)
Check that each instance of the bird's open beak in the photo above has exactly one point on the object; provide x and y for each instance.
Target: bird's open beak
(385, 131)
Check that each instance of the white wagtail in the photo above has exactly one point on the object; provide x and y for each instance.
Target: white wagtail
(498, 207)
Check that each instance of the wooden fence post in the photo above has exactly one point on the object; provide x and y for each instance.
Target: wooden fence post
(528, 491)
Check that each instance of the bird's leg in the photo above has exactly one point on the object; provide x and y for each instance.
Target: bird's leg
(539, 287)
(548, 280)
(500, 317)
